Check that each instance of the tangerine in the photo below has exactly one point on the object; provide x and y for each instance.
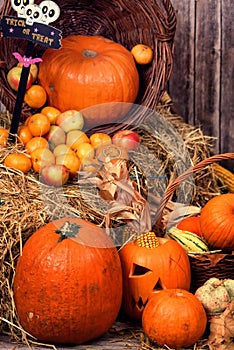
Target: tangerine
(51, 113)
(27, 120)
(71, 162)
(4, 133)
(39, 124)
(35, 96)
(75, 137)
(24, 134)
(143, 54)
(99, 138)
(84, 150)
(62, 148)
(18, 161)
(41, 157)
(36, 142)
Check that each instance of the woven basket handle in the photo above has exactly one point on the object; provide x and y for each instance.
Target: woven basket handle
(193, 169)
(166, 18)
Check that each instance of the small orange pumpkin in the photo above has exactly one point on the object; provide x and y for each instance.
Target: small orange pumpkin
(68, 282)
(175, 318)
(89, 71)
(217, 222)
(191, 224)
(149, 270)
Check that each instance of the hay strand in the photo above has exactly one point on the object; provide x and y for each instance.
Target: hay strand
(26, 204)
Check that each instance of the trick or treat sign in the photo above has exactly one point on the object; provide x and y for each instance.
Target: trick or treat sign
(33, 22)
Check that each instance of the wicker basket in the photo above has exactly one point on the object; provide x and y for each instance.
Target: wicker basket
(207, 265)
(127, 22)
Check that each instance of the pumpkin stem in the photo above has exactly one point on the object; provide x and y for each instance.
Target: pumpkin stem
(68, 230)
(89, 53)
(147, 240)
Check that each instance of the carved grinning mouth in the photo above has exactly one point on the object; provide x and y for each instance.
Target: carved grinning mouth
(138, 304)
(139, 270)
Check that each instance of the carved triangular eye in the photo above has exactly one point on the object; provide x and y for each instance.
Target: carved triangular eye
(158, 286)
(139, 270)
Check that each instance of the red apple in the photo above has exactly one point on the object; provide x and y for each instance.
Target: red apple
(13, 78)
(54, 175)
(127, 139)
(33, 70)
(55, 136)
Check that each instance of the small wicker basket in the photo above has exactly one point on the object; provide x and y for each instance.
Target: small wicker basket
(127, 22)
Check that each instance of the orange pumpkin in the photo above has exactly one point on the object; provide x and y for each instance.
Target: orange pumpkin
(174, 318)
(149, 270)
(217, 222)
(89, 71)
(68, 284)
(191, 224)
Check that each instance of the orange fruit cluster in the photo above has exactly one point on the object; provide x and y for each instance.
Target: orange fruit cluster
(54, 138)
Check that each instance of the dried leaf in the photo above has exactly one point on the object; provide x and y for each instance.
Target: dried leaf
(222, 330)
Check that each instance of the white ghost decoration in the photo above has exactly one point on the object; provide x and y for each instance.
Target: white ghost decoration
(19, 6)
(32, 14)
(50, 11)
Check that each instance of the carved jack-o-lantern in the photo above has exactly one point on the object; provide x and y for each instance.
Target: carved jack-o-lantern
(147, 270)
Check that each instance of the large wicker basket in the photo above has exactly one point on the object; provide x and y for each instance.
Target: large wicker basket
(128, 22)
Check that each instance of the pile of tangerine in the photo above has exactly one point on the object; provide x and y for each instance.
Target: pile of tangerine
(54, 138)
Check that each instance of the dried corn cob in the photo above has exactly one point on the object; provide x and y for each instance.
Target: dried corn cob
(147, 240)
(129, 234)
(226, 176)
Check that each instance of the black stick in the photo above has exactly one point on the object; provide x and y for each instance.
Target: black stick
(20, 94)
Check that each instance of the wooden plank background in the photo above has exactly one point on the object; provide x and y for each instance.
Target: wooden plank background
(202, 81)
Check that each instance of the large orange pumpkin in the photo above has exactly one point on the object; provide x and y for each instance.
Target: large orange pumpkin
(149, 270)
(217, 222)
(174, 318)
(68, 282)
(89, 71)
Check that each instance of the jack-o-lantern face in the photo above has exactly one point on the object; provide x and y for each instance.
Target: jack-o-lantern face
(148, 270)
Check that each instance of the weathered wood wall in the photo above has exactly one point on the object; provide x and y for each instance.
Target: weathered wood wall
(202, 82)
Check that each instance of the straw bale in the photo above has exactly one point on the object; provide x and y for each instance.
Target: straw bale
(26, 204)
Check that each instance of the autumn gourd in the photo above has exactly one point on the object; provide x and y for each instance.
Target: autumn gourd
(215, 294)
(190, 241)
(217, 222)
(150, 264)
(174, 318)
(68, 282)
(89, 71)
